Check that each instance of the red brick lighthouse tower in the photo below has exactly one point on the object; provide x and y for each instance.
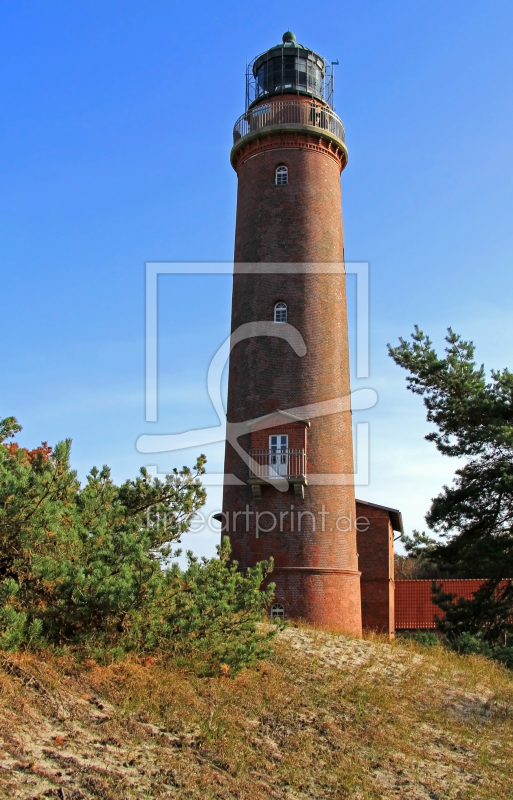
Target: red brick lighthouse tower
(289, 490)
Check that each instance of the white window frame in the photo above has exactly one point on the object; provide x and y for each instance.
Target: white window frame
(277, 611)
(280, 310)
(281, 176)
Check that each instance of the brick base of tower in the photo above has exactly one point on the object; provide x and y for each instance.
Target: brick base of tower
(315, 568)
(324, 598)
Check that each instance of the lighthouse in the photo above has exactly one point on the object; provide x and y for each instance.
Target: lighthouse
(289, 488)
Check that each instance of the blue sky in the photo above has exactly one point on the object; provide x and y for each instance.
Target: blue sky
(115, 135)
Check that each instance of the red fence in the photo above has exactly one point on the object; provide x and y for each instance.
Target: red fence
(414, 607)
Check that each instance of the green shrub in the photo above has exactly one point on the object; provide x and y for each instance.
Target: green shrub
(90, 568)
(469, 644)
(426, 638)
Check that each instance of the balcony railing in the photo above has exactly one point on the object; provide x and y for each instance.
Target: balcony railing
(288, 112)
(269, 464)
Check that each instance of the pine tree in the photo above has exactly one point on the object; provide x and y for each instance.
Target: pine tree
(474, 420)
(92, 567)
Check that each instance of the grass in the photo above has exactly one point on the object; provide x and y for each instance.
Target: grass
(327, 717)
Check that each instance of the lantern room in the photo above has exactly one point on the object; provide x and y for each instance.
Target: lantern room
(288, 68)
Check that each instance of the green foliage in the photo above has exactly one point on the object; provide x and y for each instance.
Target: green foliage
(473, 416)
(418, 563)
(426, 638)
(214, 609)
(13, 624)
(483, 625)
(487, 615)
(91, 567)
(474, 645)
(8, 428)
(474, 419)
(418, 545)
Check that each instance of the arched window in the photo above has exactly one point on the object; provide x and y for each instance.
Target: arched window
(282, 176)
(280, 312)
(277, 611)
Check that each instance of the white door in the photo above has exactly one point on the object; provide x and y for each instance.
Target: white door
(278, 455)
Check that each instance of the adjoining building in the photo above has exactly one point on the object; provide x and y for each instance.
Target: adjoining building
(376, 526)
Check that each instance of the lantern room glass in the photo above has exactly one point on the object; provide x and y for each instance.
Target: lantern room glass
(289, 73)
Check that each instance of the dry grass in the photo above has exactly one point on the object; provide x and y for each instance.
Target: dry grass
(328, 717)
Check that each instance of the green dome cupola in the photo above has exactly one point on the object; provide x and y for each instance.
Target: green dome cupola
(288, 68)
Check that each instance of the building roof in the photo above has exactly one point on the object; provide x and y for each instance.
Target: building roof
(396, 517)
(414, 607)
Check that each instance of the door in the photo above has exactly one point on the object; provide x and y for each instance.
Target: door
(278, 455)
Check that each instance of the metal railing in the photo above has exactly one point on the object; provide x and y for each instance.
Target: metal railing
(286, 112)
(277, 464)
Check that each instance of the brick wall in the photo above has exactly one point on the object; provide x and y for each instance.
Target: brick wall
(296, 431)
